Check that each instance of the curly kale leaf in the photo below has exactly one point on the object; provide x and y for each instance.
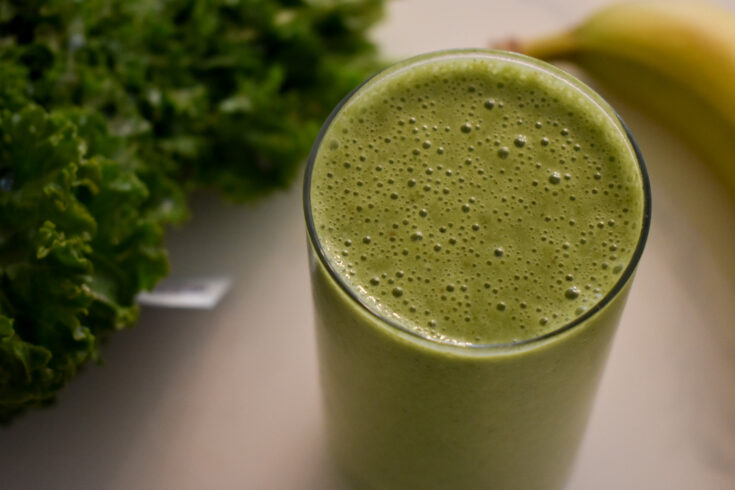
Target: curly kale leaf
(76, 246)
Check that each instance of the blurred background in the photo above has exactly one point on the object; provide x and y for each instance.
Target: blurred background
(229, 398)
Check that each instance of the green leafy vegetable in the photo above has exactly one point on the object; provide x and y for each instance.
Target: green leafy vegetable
(76, 244)
(111, 112)
(231, 91)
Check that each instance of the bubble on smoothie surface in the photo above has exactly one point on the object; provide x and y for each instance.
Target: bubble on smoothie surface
(475, 202)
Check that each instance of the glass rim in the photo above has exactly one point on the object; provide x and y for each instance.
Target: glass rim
(626, 275)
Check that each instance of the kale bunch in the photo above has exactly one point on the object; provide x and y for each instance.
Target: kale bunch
(225, 93)
(111, 113)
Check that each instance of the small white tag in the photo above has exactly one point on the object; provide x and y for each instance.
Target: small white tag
(192, 292)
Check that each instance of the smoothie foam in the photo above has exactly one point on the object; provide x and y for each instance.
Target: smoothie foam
(476, 202)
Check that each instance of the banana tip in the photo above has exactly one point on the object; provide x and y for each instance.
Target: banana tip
(509, 44)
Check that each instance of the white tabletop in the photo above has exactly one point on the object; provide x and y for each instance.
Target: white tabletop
(229, 398)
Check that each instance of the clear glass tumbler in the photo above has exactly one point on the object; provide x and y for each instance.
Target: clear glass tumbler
(406, 412)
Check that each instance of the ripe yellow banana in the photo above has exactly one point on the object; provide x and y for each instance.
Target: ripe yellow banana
(674, 60)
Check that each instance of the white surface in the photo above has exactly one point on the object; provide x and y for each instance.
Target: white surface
(228, 399)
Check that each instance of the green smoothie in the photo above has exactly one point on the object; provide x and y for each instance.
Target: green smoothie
(475, 218)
